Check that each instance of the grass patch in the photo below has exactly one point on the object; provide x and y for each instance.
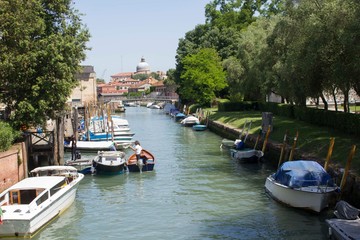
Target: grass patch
(312, 139)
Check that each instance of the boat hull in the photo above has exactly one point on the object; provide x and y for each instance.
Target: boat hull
(343, 229)
(82, 166)
(108, 169)
(31, 222)
(247, 155)
(310, 198)
(190, 121)
(94, 146)
(199, 127)
(149, 166)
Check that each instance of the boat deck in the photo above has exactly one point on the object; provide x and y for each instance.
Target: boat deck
(344, 229)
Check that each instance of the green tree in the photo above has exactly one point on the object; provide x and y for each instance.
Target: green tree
(170, 81)
(140, 76)
(100, 80)
(203, 77)
(7, 136)
(235, 72)
(42, 43)
(252, 43)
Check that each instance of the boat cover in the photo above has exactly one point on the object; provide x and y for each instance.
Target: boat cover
(345, 211)
(302, 173)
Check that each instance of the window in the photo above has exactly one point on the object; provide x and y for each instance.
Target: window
(42, 199)
(57, 187)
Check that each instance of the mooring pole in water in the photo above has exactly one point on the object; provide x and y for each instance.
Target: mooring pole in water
(74, 137)
(331, 147)
(243, 129)
(348, 164)
(283, 149)
(293, 146)
(266, 139)
(257, 139)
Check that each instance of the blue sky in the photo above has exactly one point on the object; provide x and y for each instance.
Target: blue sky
(123, 31)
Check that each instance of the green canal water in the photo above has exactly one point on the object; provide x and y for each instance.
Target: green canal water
(196, 192)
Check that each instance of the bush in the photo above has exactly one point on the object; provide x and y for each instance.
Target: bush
(7, 136)
(237, 106)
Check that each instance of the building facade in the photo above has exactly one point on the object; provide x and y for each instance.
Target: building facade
(86, 91)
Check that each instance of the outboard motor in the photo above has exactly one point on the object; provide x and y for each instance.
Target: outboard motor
(140, 164)
(77, 155)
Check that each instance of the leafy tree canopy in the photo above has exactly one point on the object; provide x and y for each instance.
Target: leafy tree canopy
(100, 80)
(140, 76)
(203, 77)
(42, 43)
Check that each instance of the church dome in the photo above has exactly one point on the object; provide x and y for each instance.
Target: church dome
(143, 66)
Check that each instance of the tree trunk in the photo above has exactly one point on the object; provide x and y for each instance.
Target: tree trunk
(326, 105)
(346, 102)
(59, 141)
(334, 97)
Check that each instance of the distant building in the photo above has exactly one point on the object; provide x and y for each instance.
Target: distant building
(142, 68)
(86, 91)
(122, 83)
(143, 85)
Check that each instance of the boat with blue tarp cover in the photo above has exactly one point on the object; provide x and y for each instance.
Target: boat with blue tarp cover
(179, 116)
(301, 184)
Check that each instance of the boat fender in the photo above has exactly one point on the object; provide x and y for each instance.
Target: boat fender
(77, 155)
(239, 145)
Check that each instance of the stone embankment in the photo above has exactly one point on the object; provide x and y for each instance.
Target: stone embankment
(13, 166)
(351, 191)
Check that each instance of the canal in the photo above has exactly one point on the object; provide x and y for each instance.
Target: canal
(196, 192)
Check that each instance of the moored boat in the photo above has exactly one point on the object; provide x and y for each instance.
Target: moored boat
(106, 136)
(109, 162)
(301, 184)
(346, 225)
(190, 121)
(30, 204)
(83, 166)
(199, 127)
(179, 116)
(147, 162)
(227, 144)
(94, 146)
(246, 155)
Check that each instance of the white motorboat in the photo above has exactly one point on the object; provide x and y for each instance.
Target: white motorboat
(301, 184)
(31, 203)
(109, 162)
(83, 166)
(190, 121)
(227, 144)
(246, 154)
(92, 146)
(154, 106)
(99, 124)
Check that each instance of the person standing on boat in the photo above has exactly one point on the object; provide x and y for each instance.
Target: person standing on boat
(137, 149)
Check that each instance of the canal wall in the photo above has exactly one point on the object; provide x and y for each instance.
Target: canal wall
(13, 165)
(351, 191)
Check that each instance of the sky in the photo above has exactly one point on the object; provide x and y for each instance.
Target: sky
(124, 31)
